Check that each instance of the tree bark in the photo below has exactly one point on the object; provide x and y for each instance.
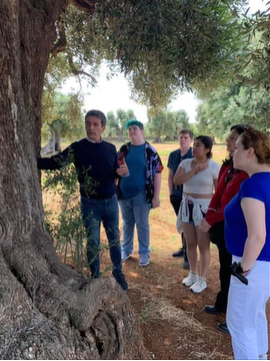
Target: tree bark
(47, 311)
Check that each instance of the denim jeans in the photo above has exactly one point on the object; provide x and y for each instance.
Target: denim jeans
(135, 211)
(95, 211)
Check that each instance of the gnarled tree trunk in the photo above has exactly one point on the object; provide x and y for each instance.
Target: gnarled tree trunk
(157, 139)
(47, 311)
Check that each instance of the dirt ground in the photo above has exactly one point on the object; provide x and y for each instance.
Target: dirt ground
(172, 319)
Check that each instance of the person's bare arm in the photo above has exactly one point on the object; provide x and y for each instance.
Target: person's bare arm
(254, 213)
(170, 181)
(181, 177)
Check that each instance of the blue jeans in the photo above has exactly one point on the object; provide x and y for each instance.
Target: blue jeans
(135, 211)
(95, 211)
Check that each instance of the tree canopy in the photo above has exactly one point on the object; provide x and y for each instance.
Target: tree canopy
(244, 96)
(167, 47)
(161, 47)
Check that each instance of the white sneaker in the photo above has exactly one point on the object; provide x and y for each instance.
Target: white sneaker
(190, 279)
(199, 285)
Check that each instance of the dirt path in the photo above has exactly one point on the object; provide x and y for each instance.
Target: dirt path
(173, 323)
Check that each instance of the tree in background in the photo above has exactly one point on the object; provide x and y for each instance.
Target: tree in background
(116, 123)
(122, 117)
(166, 124)
(181, 121)
(62, 119)
(244, 97)
(111, 126)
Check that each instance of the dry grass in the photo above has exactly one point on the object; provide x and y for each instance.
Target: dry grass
(159, 310)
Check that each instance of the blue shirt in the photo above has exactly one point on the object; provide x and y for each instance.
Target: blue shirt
(130, 186)
(175, 158)
(257, 187)
(153, 165)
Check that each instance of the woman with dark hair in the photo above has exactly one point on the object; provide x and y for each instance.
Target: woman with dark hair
(198, 176)
(229, 180)
(247, 236)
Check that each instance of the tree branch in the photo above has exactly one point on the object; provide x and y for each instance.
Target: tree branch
(76, 71)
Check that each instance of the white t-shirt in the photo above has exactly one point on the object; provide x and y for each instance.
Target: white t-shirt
(202, 182)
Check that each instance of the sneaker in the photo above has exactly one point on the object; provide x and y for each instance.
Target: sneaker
(125, 256)
(212, 310)
(144, 260)
(199, 285)
(179, 253)
(223, 327)
(120, 278)
(190, 279)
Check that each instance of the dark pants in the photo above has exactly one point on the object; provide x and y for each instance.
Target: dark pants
(95, 211)
(175, 202)
(225, 261)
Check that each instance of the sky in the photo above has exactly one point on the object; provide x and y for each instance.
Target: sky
(115, 94)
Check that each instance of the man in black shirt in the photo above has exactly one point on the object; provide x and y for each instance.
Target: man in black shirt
(95, 161)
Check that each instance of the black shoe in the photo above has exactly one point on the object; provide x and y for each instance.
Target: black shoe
(223, 327)
(185, 264)
(120, 278)
(212, 310)
(179, 253)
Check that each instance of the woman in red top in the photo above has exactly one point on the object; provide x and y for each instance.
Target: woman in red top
(229, 180)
